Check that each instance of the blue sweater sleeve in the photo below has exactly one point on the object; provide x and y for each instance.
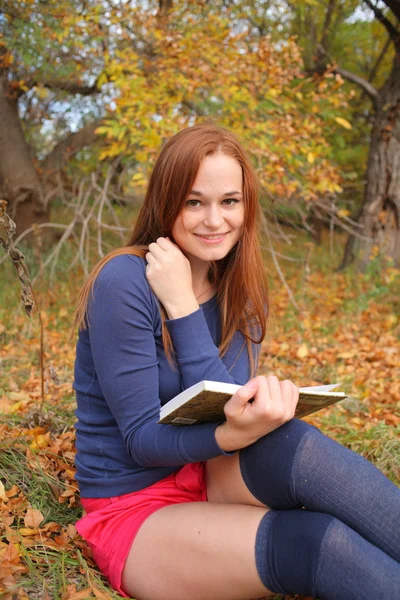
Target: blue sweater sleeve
(121, 331)
(197, 355)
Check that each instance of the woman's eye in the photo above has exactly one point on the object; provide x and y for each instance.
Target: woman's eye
(230, 201)
(193, 203)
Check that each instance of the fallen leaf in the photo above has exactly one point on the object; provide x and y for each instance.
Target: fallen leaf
(82, 595)
(33, 518)
(3, 492)
(28, 531)
(71, 531)
(302, 351)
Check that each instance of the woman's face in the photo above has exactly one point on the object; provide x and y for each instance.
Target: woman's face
(211, 222)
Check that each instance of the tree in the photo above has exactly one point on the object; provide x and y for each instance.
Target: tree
(31, 71)
(131, 75)
(201, 63)
(332, 37)
(380, 212)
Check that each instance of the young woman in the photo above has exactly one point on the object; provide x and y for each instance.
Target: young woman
(259, 503)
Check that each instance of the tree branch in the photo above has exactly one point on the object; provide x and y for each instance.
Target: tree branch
(361, 82)
(72, 143)
(390, 28)
(327, 23)
(66, 86)
(164, 7)
(375, 67)
(394, 6)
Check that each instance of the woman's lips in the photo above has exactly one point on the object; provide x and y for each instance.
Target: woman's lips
(211, 239)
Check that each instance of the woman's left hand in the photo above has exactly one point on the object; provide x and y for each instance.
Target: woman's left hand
(169, 274)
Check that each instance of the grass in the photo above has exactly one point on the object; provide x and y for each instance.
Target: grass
(339, 313)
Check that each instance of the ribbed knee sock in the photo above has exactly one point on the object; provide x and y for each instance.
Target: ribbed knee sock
(314, 554)
(296, 466)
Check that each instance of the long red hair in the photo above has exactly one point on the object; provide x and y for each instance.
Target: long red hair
(240, 277)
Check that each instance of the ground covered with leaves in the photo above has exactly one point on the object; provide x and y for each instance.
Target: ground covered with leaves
(346, 329)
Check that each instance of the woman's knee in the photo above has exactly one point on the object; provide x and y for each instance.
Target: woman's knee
(267, 465)
(288, 549)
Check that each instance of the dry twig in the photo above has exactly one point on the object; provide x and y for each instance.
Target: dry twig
(7, 231)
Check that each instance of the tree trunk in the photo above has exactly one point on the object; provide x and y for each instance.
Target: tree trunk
(19, 181)
(380, 213)
(53, 166)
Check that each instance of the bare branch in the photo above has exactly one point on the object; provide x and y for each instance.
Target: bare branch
(7, 231)
(276, 263)
(375, 67)
(64, 86)
(327, 22)
(390, 28)
(394, 6)
(361, 82)
(71, 144)
(164, 7)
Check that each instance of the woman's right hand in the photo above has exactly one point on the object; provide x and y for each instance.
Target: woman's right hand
(274, 403)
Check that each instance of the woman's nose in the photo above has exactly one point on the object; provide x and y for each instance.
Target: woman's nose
(213, 217)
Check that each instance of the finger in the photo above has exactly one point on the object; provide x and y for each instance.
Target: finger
(295, 396)
(275, 393)
(165, 243)
(243, 395)
(262, 399)
(287, 388)
(156, 250)
(150, 258)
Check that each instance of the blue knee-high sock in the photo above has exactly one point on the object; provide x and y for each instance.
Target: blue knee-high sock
(315, 554)
(296, 466)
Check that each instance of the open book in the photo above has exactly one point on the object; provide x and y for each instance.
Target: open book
(204, 402)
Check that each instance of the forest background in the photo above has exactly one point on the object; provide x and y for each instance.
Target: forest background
(89, 91)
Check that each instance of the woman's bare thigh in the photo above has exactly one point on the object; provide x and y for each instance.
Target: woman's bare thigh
(225, 482)
(196, 551)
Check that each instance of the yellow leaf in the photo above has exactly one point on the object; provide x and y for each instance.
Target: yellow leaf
(42, 92)
(82, 595)
(101, 130)
(101, 80)
(343, 122)
(302, 352)
(40, 441)
(138, 177)
(343, 212)
(349, 354)
(310, 158)
(100, 595)
(3, 492)
(27, 531)
(103, 154)
(17, 406)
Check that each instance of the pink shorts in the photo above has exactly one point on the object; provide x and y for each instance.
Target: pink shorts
(111, 524)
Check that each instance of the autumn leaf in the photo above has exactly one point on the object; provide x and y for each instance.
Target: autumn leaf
(343, 122)
(25, 531)
(33, 518)
(3, 496)
(302, 351)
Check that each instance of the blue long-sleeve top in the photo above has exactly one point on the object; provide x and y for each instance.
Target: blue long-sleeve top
(122, 377)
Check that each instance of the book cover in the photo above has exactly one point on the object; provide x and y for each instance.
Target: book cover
(204, 402)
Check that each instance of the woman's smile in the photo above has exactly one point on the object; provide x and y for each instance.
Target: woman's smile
(212, 238)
